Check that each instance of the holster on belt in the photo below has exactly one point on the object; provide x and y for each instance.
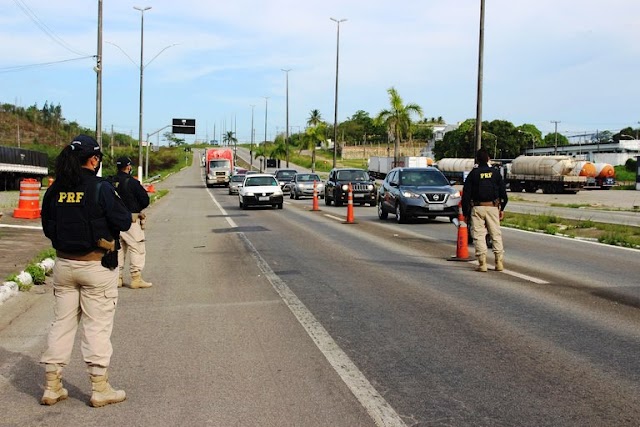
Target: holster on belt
(110, 258)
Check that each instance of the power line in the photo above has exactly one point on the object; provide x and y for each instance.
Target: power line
(32, 15)
(43, 64)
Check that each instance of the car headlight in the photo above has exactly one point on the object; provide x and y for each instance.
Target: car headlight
(345, 187)
(277, 193)
(249, 194)
(371, 187)
(410, 194)
(301, 185)
(456, 194)
(281, 183)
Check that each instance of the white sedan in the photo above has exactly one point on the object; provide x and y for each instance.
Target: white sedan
(260, 189)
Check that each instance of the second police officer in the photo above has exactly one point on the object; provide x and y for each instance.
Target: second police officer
(132, 242)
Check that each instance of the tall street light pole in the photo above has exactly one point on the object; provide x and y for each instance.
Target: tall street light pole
(555, 150)
(480, 71)
(286, 133)
(335, 109)
(266, 109)
(98, 70)
(142, 10)
(253, 133)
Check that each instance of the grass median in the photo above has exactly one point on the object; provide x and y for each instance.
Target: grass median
(611, 234)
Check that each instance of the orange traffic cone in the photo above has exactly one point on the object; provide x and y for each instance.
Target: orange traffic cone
(462, 245)
(350, 206)
(315, 197)
(150, 188)
(29, 201)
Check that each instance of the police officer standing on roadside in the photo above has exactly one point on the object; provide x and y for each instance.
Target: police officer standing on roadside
(484, 197)
(135, 197)
(83, 216)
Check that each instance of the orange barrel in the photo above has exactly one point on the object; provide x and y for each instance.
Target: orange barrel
(29, 201)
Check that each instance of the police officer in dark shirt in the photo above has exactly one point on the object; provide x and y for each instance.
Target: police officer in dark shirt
(83, 216)
(484, 197)
(132, 242)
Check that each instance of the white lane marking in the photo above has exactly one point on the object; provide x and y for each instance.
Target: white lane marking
(26, 227)
(334, 217)
(230, 221)
(378, 408)
(515, 274)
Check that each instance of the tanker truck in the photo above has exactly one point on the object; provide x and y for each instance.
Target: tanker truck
(603, 177)
(218, 166)
(455, 169)
(551, 174)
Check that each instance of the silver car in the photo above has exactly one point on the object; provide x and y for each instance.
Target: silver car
(301, 185)
(235, 183)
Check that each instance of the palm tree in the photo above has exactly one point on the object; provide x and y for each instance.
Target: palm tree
(313, 136)
(397, 119)
(229, 138)
(315, 118)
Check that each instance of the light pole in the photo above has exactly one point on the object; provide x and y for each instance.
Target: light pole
(286, 133)
(98, 69)
(266, 109)
(142, 10)
(480, 71)
(555, 150)
(253, 133)
(335, 109)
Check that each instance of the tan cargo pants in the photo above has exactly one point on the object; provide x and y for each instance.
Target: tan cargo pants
(483, 219)
(132, 242)
(85, 292)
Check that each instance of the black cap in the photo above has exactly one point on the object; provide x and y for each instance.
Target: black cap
(123, 162)
(86, 144)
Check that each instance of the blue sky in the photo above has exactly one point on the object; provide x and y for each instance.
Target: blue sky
(576, 62)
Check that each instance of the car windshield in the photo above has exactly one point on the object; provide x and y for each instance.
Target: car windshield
(352, 175)
(222, 163)
(308, 177)
(237, 178)
(285, 174)
(423, 178)
(260, 181)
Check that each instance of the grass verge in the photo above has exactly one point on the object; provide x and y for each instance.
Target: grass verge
(611, 234)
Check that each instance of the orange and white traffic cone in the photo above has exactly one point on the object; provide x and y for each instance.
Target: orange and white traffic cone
(462, 245)
(315, 197)
(29, 200)
(350, 206)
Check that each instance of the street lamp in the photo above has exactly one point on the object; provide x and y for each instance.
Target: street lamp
(335, 110)
(286, 137)
(555, 151)
(266, 109)
(480, 71)
(253, 134)
(142, 10)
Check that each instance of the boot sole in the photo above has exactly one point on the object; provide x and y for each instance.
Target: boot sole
(49, 401)
(104, 403)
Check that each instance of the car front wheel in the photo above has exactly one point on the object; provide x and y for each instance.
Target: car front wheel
(382, 214)
(401, 214)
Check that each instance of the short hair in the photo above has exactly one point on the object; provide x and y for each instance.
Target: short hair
(482, 156)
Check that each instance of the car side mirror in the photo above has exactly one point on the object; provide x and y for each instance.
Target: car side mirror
(393, 184)
(453, 182)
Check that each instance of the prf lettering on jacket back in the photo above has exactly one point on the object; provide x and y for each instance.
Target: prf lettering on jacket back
(70, 196)
(486, 175)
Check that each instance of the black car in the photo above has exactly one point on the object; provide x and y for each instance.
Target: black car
(284, 176)
(417, 192)
(336, 189)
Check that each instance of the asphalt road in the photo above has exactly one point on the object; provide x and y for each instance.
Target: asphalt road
(291, 317)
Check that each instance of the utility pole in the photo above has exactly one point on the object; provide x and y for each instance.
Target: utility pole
(335, 109)
(480, 72)
(253, 133)
(286, 137)
(98, 69)
(555, 151)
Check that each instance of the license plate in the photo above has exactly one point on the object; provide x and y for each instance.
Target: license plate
(263, 198)
(358, 195)
(436, 207)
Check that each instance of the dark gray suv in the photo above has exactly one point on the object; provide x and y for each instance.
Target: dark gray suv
(417, 192)
(336, 189)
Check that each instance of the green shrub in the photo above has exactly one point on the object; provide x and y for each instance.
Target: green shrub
(37, 274)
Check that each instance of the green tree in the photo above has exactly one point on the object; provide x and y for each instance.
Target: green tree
(315, 118)
(172, 139)
(314, 136)
(550, 139)
(397, 119)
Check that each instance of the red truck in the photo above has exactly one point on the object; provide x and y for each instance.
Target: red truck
(218, 166)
